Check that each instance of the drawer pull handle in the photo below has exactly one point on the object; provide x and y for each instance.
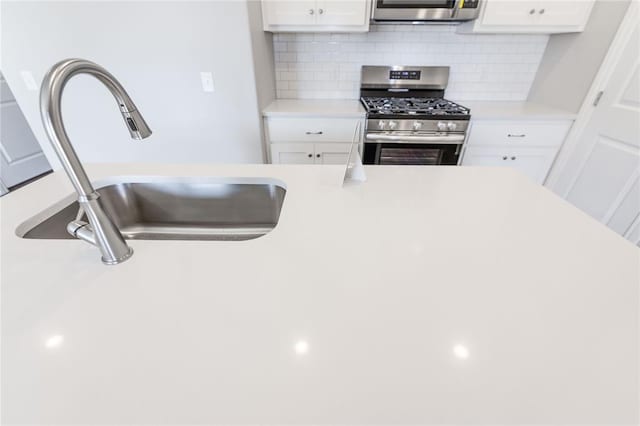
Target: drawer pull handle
(532, 11)
(513, 158)
(504, 157)
(511, 135)
(314, 133)
(318, 155)
(310, 155)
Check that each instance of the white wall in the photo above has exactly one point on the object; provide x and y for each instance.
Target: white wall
(483, 67)
(157, 50)
(571, 61)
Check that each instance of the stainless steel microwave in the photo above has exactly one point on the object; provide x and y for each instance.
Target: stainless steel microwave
(424, 11)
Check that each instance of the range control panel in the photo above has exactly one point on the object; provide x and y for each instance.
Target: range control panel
(404, 75)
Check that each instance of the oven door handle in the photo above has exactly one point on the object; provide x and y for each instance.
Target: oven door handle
(435, 139)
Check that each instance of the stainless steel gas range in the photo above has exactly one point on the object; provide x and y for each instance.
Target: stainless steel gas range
(408, 120)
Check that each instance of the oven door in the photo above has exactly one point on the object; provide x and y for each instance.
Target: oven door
(424, 10)
(424, 150)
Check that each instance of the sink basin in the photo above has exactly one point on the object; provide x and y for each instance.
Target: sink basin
(173, 210)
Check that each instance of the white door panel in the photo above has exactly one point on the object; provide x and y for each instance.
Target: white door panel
(20, 155)
(600, 172)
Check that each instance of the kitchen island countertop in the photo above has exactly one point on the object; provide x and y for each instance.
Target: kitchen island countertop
(426, 295)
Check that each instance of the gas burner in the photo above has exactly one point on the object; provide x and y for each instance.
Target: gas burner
(412, 106)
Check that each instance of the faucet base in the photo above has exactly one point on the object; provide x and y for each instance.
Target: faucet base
(118, 260)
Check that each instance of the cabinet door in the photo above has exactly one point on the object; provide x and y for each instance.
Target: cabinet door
(283, 12)
(562, 12)
(533, 162)
(292, 153)
(510, 12)
(332, 153)
(342, 12)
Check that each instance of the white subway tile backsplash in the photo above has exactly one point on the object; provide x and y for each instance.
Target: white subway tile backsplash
(483, 67)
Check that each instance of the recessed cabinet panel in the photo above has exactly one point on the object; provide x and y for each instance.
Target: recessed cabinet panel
(530, 17)
(311, 129)
(316, 15)
(519, 133)
(279, 12)
(533, 162)
(292, 153)
(347, 12)
(511, 12)
(563, 13)
(332, 153)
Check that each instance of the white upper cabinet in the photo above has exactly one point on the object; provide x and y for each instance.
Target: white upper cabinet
(316, 15)
(530, 16)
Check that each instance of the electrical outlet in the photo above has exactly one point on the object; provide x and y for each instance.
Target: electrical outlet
(207, 81)
(29, 81)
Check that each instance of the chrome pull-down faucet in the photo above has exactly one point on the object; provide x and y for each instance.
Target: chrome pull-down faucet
(100, 231)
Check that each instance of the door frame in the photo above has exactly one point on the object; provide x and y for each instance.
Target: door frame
(562, 177)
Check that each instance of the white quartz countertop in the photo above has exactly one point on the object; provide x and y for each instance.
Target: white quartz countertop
(427, 295)
(515, 110)
(315, 108)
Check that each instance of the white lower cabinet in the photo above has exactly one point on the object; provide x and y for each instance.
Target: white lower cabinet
(527, 146)
(310, 153)
(533, 162)
(311, 140)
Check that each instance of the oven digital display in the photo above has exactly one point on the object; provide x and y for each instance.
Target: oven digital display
(404, 75)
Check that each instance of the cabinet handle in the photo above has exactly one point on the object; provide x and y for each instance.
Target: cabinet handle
(511, 135)
(314, 133)
(513, 158)
(532, 11)
(541, 11)
(320, 11)
(504, 157)
(311, 11)
(310, 155)
(318, 155)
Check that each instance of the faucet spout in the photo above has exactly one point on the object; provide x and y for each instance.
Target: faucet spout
(103, 232)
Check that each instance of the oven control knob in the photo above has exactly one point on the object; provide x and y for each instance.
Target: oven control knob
(451, 126)
(382, 124)
(417, 125)
(442, 126)
(392, 125)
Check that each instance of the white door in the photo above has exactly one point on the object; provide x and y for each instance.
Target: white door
(20, 155)
(599, 170)
(283, 12)
(533, 162)
(332, 153)
(292, 153)
(342, 12)
(510, 12)
(562, 12)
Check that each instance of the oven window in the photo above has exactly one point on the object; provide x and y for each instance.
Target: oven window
(411, 156)
(421, 4)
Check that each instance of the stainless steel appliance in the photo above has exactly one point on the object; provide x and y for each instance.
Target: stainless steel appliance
(408, 120)
(422, 11)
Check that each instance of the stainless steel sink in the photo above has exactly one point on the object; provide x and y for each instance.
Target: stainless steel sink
(173, 210)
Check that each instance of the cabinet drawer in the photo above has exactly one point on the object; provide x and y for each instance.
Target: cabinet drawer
(311, 129)
(518, 133)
